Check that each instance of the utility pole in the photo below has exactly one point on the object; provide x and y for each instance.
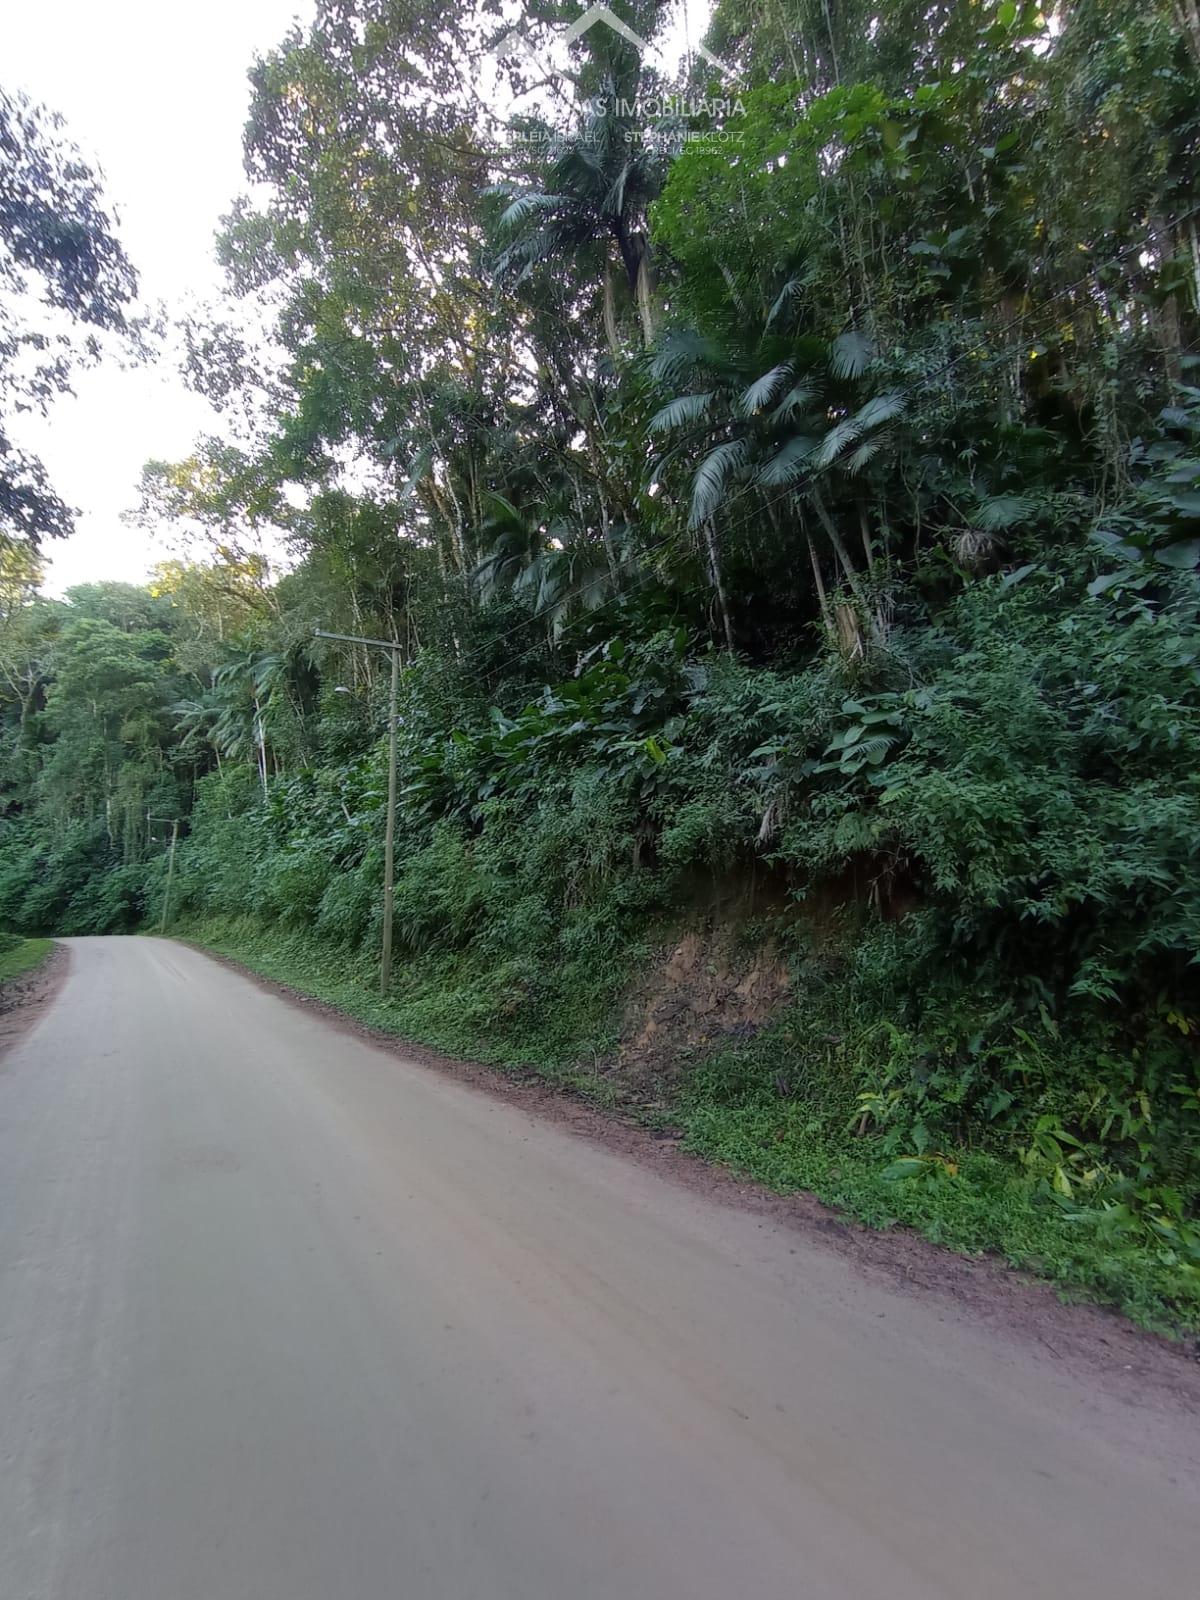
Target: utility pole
(389, 839)
(174, 821)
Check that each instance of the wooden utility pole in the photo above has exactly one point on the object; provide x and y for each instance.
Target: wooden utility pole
(389, 838)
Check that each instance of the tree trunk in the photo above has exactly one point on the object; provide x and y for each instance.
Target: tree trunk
(1187, 15)
(610, 318)
(819, 581)
(606, 535)
(645, 298)
(260, 739)
(714, 570)
(843, 555)
(1166, 318)
(1193, 239)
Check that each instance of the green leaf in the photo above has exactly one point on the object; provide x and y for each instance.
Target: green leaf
(997, 512)
(850, 354)
(1011, 579)
(790, 289)
(708, 487)
(795, 400)
(794, 461)
(1182, 556)
(763, 390)
(835, 441)
(883, 408)
(686, 408)
(524, 206)
(903, 1167)
(861, 458)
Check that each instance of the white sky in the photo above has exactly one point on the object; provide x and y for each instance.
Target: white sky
(157, 95)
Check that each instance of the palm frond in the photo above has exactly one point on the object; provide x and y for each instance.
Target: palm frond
(883, 408)
(614, 200)
(850, 354)
(839, 438)
(418, 469)
(685, 408)
(861, 458)
(797, 397)
(763, 390)
(501, 512)
(708, 486)
(997, 512)
(668, 459)
(794, 461)
(790, 289)
(523, 206)
(681, 351)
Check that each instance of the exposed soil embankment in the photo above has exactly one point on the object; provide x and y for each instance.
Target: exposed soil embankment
(706, 991)
(25, 996)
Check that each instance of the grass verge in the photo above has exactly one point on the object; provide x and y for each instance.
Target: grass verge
(22, 956)
(473, 1006)
(977, 1203)
(970, 1201)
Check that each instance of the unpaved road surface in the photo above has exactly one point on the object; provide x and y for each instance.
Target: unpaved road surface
(284, 1318)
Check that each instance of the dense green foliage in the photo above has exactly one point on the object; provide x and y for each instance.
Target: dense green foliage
(817, 507)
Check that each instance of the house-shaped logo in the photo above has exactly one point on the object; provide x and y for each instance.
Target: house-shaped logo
(515, 44)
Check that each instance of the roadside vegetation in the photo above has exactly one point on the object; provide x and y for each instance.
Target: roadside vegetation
(811, 530)
(21, 955)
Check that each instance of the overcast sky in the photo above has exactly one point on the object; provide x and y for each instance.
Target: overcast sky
(156, 94)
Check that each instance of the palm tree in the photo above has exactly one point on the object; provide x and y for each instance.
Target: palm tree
(743, 429)
(196, 720)
(543, 561)
(243, 689)
(593, 208)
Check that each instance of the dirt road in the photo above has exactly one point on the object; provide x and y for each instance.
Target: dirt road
(283, 1318)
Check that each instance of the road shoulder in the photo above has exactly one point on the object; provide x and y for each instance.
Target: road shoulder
(26, 993)
(1083, 1339)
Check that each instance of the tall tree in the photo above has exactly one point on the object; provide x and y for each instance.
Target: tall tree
(64, 281)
